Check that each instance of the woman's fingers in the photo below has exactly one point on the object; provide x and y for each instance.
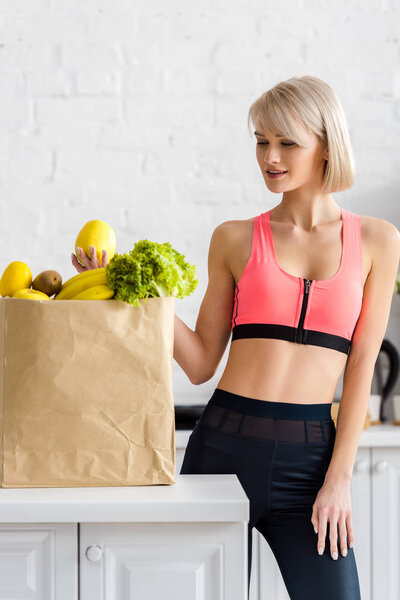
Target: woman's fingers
(77, 264)
(84, 258)
(350, 531)
(322, 522)
(337, 522)
(94, 259)
(333, 535)
(88, 263)
(343, 535)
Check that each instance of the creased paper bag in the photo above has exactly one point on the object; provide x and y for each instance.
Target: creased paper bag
(86, 395)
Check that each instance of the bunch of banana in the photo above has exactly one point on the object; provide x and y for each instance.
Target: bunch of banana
(97, 292)
(88, 285)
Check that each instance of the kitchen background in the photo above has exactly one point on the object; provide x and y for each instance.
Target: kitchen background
(136, 113)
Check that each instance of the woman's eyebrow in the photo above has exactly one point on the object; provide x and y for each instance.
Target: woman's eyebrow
(261, 135)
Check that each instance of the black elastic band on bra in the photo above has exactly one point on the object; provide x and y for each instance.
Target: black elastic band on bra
(284, 332)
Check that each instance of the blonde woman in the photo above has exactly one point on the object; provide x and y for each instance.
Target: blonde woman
(305, 289)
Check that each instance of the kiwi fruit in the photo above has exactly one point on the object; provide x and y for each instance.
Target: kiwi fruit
(48, 282)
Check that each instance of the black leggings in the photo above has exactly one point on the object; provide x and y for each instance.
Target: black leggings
(280, 453)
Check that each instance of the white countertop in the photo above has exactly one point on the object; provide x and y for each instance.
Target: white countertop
(193, 498)
(380, 435)
(374, 436)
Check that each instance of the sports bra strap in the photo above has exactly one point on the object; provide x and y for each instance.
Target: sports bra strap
(353, 253)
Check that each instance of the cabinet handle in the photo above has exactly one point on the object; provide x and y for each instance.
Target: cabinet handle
(361, 466)
(94, 553)
(381, 465)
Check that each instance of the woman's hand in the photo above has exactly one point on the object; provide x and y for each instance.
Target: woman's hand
(89, 263)
(333, 504)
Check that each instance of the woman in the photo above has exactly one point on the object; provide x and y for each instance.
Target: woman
(305, 289)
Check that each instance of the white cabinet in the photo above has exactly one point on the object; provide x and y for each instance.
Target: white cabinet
(375, 494)
(385, 549)
(185, 541)
(38, 561)
(173, 561)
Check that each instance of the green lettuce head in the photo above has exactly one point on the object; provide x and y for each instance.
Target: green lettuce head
(150, 270)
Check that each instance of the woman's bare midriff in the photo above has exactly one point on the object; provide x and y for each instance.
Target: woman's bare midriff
(278, 370)
(281, 371)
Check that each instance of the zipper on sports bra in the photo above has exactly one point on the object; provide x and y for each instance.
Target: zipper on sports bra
(300, 328)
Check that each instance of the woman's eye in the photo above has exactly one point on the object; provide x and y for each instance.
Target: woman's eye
(283, 144)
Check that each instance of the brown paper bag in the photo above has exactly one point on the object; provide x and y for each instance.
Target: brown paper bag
(86, 393)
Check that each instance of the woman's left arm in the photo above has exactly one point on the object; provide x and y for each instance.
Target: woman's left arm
(333, 502)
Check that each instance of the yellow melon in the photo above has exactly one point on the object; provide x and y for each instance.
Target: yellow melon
(99, 234)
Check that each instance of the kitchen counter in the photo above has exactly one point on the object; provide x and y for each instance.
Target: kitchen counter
(380, 435)
(193, 498)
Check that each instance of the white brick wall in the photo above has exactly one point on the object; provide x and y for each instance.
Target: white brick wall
(135, 113)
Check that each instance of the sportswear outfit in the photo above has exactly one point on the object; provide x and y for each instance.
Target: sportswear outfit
(280, 451)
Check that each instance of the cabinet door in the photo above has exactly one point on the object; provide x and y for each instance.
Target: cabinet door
(386, 523)
(361, 512)
(39, 561)
(172, 561)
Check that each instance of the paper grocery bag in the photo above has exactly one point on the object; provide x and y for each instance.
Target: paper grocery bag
(86, 393)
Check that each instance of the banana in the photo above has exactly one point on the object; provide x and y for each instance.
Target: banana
(81, 284)
(96, 292)
(83, 276)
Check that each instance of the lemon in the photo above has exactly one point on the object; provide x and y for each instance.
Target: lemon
(29, 294)
(16, 276)
(99, 234)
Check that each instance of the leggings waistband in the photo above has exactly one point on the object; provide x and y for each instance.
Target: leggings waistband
(269, 409)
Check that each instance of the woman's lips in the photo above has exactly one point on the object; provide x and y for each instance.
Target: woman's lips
(275, 175)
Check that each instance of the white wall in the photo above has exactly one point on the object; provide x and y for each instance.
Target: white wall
(135, 113)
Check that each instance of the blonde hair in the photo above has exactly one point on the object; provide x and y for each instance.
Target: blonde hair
(313, 104)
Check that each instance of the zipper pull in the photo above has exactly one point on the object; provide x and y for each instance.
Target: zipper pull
(307, 285)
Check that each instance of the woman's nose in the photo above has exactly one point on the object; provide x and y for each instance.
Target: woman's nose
(271, 155)
(272, 160)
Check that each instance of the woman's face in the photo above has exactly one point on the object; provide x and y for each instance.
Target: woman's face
(304, 164)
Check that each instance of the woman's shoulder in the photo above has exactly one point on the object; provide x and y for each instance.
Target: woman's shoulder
(236, 238)
(379, 237)
(236, 227)
(376, 229)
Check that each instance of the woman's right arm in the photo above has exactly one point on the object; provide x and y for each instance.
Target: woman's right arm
(199, 352)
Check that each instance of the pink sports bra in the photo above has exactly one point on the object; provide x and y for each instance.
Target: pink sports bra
(271, 303)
